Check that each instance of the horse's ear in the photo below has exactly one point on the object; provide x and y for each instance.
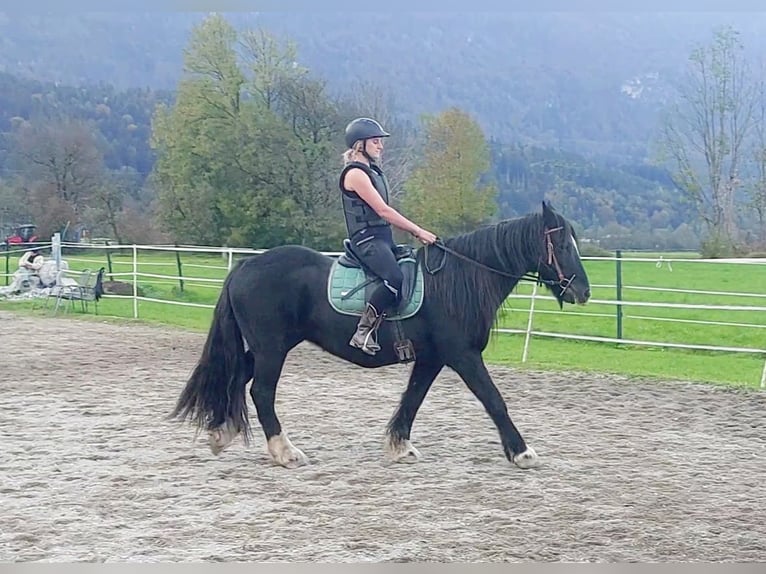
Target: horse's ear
(547, 206)
(549, 215)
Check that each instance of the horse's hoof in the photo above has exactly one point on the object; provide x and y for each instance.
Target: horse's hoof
(296, 460)
(526, 459)
(221, 437)
(284, 453)
(401, 451)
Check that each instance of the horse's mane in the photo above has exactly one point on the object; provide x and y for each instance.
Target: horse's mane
(472, 294)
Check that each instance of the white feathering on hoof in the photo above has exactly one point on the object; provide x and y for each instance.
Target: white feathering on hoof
(526, 459)
(284, 453)
(400, 451)
(221, 437)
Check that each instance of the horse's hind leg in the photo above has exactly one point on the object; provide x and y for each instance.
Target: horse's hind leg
(268, 368)
(225, 431)
(397, 445)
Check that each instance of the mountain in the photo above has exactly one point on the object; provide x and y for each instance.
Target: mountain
(588, 82)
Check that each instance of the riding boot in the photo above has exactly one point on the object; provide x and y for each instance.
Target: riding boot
(364, 338)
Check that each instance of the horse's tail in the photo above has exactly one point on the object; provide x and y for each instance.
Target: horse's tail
(214, 394)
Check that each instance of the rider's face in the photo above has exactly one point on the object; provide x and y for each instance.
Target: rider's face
(374, 147)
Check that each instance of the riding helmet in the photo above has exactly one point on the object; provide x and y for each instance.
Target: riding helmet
(362, 129)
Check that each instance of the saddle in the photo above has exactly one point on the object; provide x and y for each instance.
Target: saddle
(351, 283)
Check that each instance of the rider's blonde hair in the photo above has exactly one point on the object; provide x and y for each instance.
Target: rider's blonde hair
(350, 154)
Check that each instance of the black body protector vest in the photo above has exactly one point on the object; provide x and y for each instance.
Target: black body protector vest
(358, 214)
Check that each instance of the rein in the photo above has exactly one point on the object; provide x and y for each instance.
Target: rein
(564, 282)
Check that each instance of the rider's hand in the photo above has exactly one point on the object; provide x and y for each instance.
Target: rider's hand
(426, 237)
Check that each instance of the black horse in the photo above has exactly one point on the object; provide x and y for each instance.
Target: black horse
(272, 302)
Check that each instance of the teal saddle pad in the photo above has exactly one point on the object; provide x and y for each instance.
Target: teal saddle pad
(349, 289)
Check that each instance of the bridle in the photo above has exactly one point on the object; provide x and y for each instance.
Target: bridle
(563, 281)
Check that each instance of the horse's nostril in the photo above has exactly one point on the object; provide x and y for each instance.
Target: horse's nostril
(587, 293)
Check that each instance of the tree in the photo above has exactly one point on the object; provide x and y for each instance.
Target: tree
(62, 166)
(298, 126)
(106, 213)
(198, 138)
(757, 189)
(273, 66)
(64, 155)
(14, 206)
(705, 135)
(244, 157)
(312, 194)
(445, 192)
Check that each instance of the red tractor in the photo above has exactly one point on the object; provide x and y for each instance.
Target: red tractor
(22, 235)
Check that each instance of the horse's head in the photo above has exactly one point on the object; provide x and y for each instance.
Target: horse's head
(560, 267)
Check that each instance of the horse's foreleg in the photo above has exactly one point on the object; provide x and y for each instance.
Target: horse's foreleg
(397, 445)
(474, 373)
(268, 368)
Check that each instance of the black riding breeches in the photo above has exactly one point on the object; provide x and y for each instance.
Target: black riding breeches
(378, 255)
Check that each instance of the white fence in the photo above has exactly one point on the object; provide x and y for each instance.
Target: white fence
(136, 277)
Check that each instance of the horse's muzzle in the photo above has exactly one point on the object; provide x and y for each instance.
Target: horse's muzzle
(573, 293)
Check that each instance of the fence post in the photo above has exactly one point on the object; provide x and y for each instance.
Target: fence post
(529, 324)
(109, 260)
(56, 253)
(7, 264)
(180, 273)
(231, 257)
(135, 281)
(619, 292)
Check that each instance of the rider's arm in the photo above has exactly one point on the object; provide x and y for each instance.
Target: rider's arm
(358, 181)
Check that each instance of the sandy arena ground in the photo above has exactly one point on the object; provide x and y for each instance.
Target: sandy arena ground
(90, 470)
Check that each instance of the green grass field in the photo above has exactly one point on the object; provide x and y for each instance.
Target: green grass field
(642, 323)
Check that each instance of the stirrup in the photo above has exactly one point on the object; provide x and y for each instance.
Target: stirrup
(369, 347)
(373, 347)
(370, 343)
